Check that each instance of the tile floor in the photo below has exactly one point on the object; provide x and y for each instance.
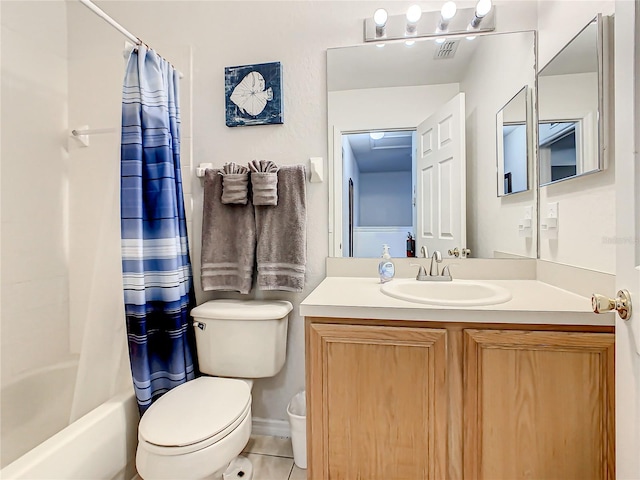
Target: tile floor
(272, 459)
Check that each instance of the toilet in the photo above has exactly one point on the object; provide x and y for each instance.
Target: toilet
(197, 429)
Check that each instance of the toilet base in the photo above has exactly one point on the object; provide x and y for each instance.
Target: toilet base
(240, 468)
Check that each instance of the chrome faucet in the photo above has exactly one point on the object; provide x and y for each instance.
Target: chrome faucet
(434, 275)
(437, 256)
(424, 251)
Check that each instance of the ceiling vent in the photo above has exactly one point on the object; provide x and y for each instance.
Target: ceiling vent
(447, 49)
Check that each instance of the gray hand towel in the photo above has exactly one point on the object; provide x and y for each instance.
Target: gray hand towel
(228, 240)
(264, 182)
(235, 184)
(281, 231)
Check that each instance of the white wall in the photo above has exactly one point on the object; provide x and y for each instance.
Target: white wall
(491, 81)
(35, 176)
(586, 205)
(385, 199)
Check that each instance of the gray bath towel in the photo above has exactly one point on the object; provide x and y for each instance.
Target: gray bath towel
(235, 183)
(228, 240)
(264, 182)
(281, 231)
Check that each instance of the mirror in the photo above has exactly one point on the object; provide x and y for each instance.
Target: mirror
(570, 108)
(434, 107)
(512, 141)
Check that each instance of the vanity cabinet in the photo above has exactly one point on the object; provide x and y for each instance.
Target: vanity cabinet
(538, 404)
(378, 402)
(432, 400)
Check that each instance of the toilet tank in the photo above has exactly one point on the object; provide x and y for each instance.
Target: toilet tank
(241, 338)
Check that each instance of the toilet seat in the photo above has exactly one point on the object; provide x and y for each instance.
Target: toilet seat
(194, 415)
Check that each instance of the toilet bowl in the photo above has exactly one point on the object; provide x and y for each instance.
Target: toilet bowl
(196, 429)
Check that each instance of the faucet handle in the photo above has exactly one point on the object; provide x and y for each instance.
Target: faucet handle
(422, 272)
(446, 273)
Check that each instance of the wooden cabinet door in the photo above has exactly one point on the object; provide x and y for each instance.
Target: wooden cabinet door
(377, 402)
(538, 405)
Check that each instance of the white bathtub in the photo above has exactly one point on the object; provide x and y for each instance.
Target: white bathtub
(100, 445)
(35, 406)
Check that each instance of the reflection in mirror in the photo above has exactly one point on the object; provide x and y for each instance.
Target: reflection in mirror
(442, 98)
(377, 169)
(570, 107)
(513, 138)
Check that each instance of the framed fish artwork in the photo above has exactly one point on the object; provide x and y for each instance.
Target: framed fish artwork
(253, 94)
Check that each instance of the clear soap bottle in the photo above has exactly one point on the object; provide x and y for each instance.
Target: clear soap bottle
(386, 269)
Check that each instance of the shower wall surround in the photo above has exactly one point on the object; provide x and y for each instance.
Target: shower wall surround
(35, 170)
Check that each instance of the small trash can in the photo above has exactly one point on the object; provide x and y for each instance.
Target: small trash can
(297, 410)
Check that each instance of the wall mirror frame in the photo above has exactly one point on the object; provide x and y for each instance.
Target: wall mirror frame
(571, 108)
(513, 144)
(370, 88)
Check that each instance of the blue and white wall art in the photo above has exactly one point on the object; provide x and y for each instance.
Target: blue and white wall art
(253, 94)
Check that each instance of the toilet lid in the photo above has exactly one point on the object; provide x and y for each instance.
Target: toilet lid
(195, 411)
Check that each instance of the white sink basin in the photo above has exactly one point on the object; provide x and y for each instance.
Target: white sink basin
(454, 293)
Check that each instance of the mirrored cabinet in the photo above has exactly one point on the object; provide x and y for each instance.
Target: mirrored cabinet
(570, 108)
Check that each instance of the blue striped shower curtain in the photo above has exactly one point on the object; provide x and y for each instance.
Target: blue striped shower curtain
(157, 279)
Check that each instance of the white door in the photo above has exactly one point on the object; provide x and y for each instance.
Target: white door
(441, 179)
(627, 145)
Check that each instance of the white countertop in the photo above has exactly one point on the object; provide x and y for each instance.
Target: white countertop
(532, 302)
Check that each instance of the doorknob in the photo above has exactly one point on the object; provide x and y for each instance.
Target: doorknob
(622, 303)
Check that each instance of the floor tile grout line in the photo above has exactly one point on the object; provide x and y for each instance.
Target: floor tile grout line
(269, 455)
(290, 472)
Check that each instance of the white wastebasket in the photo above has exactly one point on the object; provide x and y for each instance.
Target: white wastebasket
(297, 410)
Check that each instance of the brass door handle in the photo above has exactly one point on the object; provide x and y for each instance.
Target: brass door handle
(622, 304)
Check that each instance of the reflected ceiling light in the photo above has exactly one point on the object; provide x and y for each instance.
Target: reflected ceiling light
(409, 43)
(483, 7)
(380, 17)
(447, 12)
(440, 40)
(380, 45)
(471, 38)
(376, 135)
(413, 15)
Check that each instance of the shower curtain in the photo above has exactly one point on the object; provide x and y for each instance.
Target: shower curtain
(157, 279)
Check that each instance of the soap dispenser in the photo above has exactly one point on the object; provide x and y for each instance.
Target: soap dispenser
(386, 269)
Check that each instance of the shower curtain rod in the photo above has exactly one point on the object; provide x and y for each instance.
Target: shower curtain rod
(105, 16)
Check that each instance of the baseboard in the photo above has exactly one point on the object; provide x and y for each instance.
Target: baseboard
(273, 428)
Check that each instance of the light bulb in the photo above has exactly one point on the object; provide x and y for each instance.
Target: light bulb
(376, 135)
(440, 40)
(380, 17)
(448, 11)
(414, 13)
(380, 45)
(409, 43)
(471, 38)
(483, 7)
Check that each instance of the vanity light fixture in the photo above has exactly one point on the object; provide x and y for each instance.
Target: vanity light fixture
(376, 135)
(380, 19)
(415, 23)
(447, 12)
(483, 7)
